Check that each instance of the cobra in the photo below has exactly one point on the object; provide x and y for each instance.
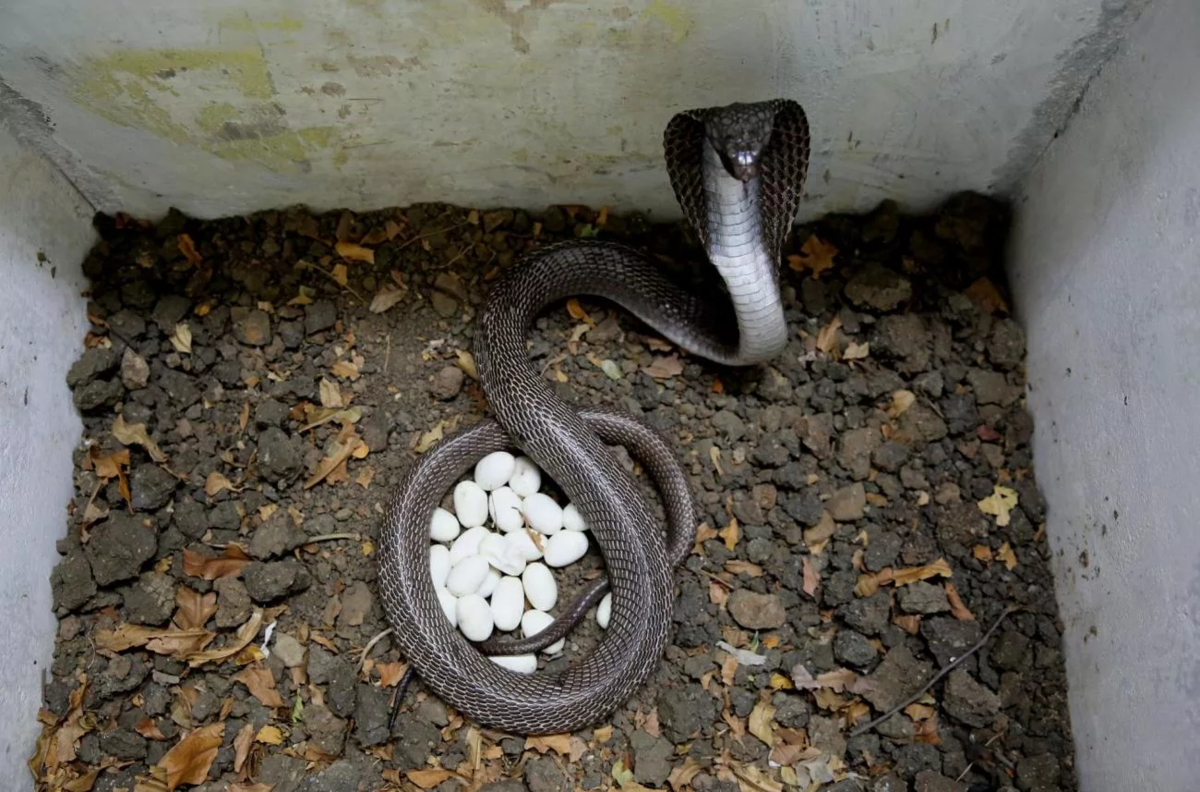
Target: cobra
(737, 172)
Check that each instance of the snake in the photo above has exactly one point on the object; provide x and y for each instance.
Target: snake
(737, 172)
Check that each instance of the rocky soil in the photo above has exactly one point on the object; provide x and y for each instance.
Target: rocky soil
(253, 387)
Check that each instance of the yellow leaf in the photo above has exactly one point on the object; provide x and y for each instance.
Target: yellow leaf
(714, 454)
(244, 636)
(341, 275)
(1006, 554)
(856, 351)
(982, 552)
(353, 252)
(188, 248)
(761, 719)
(577, 313)
(999, 504)
(466, 362)
(682, 775)
(216, 482)
(331, 396)
(902, 577)
(780, 682)
(135, 434)
(181, 339)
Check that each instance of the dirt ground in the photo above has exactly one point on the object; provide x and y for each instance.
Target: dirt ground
(252, 389)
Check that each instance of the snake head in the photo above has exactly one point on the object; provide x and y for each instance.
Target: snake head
(739, 133)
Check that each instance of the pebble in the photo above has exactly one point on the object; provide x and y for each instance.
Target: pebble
(522, 664)
(508, 603)
(449, 604)
(542, 513)
(470, 504)
(468, 544)
(439, 564)
(504, 506)
(540, 586)
(604, 611)
(502, 554)
(494, 470)
(467, 576)
(490, 581)
(533, 622)
(526, 544)
(572, 519)
(526, 478)
(565, 547)
(474, 617)
(443, 527)
(756, 611)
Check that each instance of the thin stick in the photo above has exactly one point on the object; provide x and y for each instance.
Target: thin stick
(329, 275)
(932, 682)
(371, 645)
(333, 536)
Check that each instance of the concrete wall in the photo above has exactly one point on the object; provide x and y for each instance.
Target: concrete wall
(42, 324)
(1106, 268)
(225, 106)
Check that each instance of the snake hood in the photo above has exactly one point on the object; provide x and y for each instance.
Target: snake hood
(739, 133)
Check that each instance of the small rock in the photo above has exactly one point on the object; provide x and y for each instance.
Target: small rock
(920, 424)
(445, 305)
(123, 745)
(251, 326)
(279, 458)
(267, 582)
(1011, 652)
(1038, 773)
(71, 582)
(826, 735)
(683, 711)
(882, 551)
(135, 371)
(150, 487)
(791, 710)
(848, 503)
(326, 730)
(922, 597)
(319, 316)
(415, 740)
(651, 759)
(180, 387)
(169, 311)
(854, 453)
(96, 394)
(889, 783)
(816, 432)
(118, 548)
(151, 600)
(898, 676)
(278, 535)
(968, 701)
(1006, 344)
(92, 364)
(282, 772)
(270, 413)
(356, 602)
(757, 611)
(991, 387)
(853, 648)
(434, 711)
(949, 638)
(289, 651)
(508, 785)
(729, 424)
(371, 716)
(542, 774)
(904, 338)
(929, 781)
(233, 602)
(868, 615)
(338, 777)
(878, 288)
(447, 383)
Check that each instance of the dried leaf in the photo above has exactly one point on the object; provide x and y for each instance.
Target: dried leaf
(125, 636)
(346, 369)
(179, 644)
(466, 362)
(193, 609)
(714, 454)
(201, 566)
(603, 734)
(737, 567)
(762, 717)
(429, 777)
(346, 445)
(188, 248)
(135, 434)
(902, 577)
(682, 775)
(816, 537)
(901, 401)
(1006, 554)
(910, 624)
(385, 298)
(827, 336)
(919, 712)
(811, 580)
(958, 608)
(815, 256)
(181, 339)
(982, 552)
(269, 735)
(149, 730)
(248, 788)
(431, 438)
(261, 684)
(1002, 501)
(189, 761)
(986, 296)
(242, 744)
(751, 779)
(331, 395)
(84, 783)
(577, 313)
(730, 534)
(244, 636)
(659, 345)
(837, 680)
(780, 682)
(665, 367)
(856, 351)
(559, 743)
(216, 482)
(741, 656)
(353, 252)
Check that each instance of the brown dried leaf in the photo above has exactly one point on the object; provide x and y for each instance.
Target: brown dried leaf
(704, 532)
(216, 482)
(123, 637)
(910, 624)
(347, 443)
(107, 467)
(244, 636)
(982, 552)
(837, 680)
(248, 788)
(188, 248)
(827, 336)
(193, 609)
(269, 735)
(815, 256)
(261, 684)
(958, 609)
(147, 728)
(1006, 554)
(816, 537)
(751, 779)
(603, 734)
(179, 643)
(728, 669)
(577, 313)
(811, 580)
(717, 594)
(762, 718)
(385, 298)
(242, 744)
(189, 761)
(730, 534)
(901, 401)
(135, 434)
(346, 369)
(737, 567)
(559, 743)
(985, 295)
(665, 367)
(429, 777)
(856, 351)
(201, 566)
(902, 577)
(353, 252)
(331, 395)
(181, 339)
(682, 775)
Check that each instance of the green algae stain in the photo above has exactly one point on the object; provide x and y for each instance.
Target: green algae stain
(674, 18)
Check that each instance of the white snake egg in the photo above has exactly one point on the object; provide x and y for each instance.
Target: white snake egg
(604, 611)
(508, 603)
(542, 513)
(467, 544)
(470, 504)
(565, 547)
(526, 478)
(572, 519)
(490, 581)
(533, 622)
(439, 564)
(467, 576)
(522, 664)
(443, 526)
(474, 617)
(504, 506)
(494, 470)
(540, 587)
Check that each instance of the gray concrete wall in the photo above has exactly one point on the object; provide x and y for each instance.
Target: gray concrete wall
(226, 106)
(1106, 269)
(42, 325)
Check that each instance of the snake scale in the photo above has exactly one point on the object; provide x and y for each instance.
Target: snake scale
(737, 172)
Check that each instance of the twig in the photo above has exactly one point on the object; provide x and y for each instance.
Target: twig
(330, 275)
(428, 234)
(331, 537)
(866, 728)
(371, 645)
(387, 355)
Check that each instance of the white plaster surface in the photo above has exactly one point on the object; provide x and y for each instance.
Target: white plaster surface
(1106, 270)
(42, 324)
(226, 106)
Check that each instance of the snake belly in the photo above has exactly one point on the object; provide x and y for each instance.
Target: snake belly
(741, 206)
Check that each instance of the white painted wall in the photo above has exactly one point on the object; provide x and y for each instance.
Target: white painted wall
(42, 324)
(226, 106)
(1106, 269)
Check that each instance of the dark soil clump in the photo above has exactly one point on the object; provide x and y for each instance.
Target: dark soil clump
(253, 388)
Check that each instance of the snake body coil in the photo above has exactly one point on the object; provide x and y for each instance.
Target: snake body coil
(737, 172)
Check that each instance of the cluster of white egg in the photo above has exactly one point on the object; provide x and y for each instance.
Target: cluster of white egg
(498, 580)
